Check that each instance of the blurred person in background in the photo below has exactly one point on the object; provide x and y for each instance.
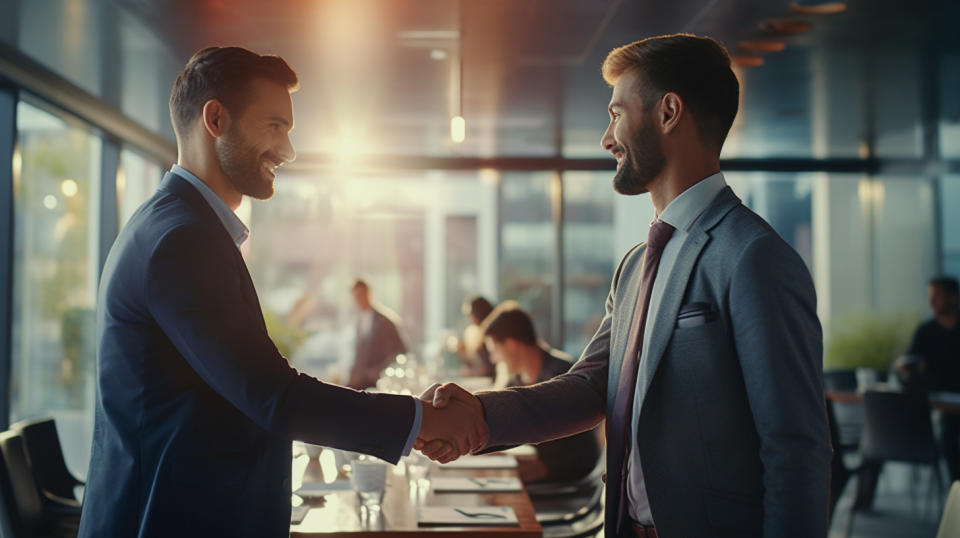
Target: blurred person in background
(511, 339)
(378, 338)
(472, 352)
(933, 360)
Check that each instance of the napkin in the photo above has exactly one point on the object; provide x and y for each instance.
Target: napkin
(451, 484)
(498, 461)
(464, 516)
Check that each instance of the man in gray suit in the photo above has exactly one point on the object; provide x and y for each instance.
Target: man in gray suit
(707, 364)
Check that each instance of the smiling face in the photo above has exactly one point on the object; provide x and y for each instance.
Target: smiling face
(632, 138)
(257, 141)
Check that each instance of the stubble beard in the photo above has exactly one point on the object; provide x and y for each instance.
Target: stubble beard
(242, 164)
(641, 163)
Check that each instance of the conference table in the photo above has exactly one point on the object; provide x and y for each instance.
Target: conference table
(338, 513)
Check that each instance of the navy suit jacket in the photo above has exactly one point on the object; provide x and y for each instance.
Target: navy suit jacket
(732, 432)
(196, 408)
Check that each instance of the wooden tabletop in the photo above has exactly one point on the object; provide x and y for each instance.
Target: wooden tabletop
(948, 402)
(338, 513)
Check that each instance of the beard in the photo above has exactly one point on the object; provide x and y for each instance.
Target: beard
(242, 164)
(639, 166)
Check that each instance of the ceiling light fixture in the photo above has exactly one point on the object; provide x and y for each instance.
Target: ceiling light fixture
(747, 61)
(817, 8)
(786, 27)
(762, 46)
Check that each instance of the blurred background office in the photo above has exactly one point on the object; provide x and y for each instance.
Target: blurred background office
(449, 149)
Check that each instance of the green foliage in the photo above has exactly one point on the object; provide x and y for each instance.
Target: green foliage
(868, 341)
(285, 335)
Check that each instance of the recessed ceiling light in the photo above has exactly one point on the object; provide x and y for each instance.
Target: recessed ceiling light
(786, 27)
(438, 54)
(762, 45)
(818, 8)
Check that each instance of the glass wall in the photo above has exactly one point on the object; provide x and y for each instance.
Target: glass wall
(55, 275)
(424, 241)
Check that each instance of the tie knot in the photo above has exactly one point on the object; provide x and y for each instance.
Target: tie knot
(660, 233)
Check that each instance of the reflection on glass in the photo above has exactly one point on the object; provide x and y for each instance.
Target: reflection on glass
(55, 277)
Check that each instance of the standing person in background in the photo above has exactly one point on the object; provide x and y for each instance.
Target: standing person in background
(378, 338)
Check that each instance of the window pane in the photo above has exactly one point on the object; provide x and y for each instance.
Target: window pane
(950, 223)
(588, 252)
(527, 247)
(55, 277)
(137, 180)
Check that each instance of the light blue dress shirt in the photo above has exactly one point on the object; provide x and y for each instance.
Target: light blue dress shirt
(239, 233)
(681, 213)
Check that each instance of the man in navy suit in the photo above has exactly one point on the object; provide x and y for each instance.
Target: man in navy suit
(196, 408)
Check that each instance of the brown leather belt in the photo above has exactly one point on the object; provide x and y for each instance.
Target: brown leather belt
(644, 531)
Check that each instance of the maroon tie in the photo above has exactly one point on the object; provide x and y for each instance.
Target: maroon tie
(660, 233)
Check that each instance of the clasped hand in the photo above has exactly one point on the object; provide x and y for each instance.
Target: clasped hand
(452, 425)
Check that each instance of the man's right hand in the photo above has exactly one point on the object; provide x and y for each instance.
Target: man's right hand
(453, 423)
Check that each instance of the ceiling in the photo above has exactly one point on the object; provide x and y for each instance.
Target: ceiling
(380, 76)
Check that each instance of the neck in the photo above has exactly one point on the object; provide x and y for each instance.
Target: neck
(680, 173)
(948, 320)
(532, 364)
(205, 166)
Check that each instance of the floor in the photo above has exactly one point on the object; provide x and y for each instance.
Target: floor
(902, 508)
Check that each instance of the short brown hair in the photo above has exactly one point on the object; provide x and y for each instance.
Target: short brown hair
(223, 73)
(695, 68)
(508, 320)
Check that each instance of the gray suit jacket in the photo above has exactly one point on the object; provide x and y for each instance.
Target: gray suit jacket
(732, 432)
(376, 350)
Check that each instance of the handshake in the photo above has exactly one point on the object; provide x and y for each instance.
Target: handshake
(452, 423)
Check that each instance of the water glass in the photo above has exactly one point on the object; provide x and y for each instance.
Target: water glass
(369, 480)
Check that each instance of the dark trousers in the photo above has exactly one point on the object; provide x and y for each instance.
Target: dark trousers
(950, 443)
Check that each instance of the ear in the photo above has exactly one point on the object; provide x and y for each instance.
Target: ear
(215, 118)
(672, 110)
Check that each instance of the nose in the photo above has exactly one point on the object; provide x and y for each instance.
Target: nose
(286, 151)
(607, 140)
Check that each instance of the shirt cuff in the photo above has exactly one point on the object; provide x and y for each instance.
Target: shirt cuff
(415, 430)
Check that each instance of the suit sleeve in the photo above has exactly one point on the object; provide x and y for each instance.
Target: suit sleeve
(194, 290)
(563, 406)
(779, 344)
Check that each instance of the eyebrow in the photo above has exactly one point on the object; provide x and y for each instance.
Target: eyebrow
(278, 119)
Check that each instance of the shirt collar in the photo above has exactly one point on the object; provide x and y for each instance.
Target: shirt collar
(684, 210)
(235, 227)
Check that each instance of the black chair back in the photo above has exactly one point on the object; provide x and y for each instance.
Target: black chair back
(897, 428)
(45, 455)
(26, 505)
(849, 417)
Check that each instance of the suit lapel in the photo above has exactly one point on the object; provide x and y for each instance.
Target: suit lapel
(623, 319)
(673, 293)
(677, 282)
